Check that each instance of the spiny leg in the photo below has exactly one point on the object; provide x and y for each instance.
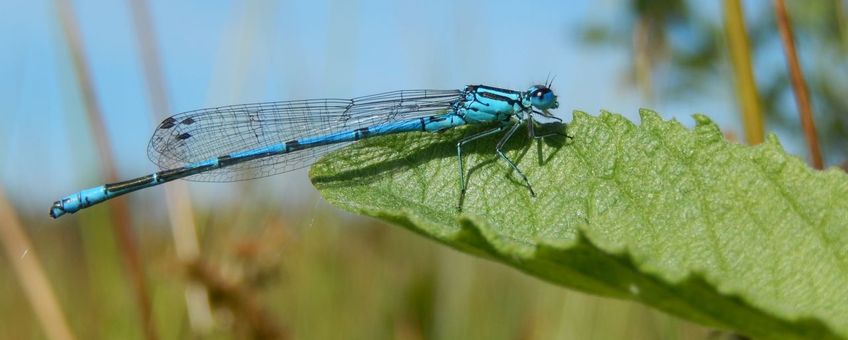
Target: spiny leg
(531, 126)
(531, 129)
(459, 158)
(499, 150)
(535, 136)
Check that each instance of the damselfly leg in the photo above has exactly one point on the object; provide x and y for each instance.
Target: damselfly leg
(459, 158)
(499, 150)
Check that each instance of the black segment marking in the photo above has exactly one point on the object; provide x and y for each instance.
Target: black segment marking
(167, 123)
(187, 121)
(128, 184)
(360, 133)
(159, 177)
(497, 97)
(229, 160)
(225, 160)
(498, 89)
(169, 175)
(423, 125)
(293, 145)
(172, 174)
(183, 136)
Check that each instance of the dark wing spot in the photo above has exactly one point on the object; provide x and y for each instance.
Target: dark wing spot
(167, 123)
(183, 136)
(187, 121)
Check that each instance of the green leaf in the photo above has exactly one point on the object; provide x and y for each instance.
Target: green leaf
(731, 236)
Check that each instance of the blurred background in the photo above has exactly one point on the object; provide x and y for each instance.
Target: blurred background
(84, 82)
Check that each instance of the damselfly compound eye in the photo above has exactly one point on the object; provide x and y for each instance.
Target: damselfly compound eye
(541, 97)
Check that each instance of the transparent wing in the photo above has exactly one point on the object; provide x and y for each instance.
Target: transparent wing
(199, 135)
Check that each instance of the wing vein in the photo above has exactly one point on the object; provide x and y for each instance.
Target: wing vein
(198, 135)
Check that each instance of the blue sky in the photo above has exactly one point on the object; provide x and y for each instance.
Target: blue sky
(227, 52)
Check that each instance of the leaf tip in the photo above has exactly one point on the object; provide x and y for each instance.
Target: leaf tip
(772, 139)
(702, 120)
(616, 122)
(578, 115)
(706, 129)
(605, 115)
(649, 116)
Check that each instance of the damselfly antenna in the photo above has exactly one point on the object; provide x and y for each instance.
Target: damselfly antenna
(549, 84)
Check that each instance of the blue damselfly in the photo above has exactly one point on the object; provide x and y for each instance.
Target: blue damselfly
(241, 142)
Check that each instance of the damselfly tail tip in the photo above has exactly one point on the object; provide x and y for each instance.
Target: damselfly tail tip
(58, 209)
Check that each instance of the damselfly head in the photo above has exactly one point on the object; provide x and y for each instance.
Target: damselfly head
(542, 98)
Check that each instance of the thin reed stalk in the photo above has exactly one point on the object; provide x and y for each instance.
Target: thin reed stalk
(799, 86)
(30, 274)
(177, 198)
(643, 66)
(120, 215)
(743, 72)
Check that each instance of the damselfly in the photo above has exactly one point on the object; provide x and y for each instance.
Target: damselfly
(240, 142)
